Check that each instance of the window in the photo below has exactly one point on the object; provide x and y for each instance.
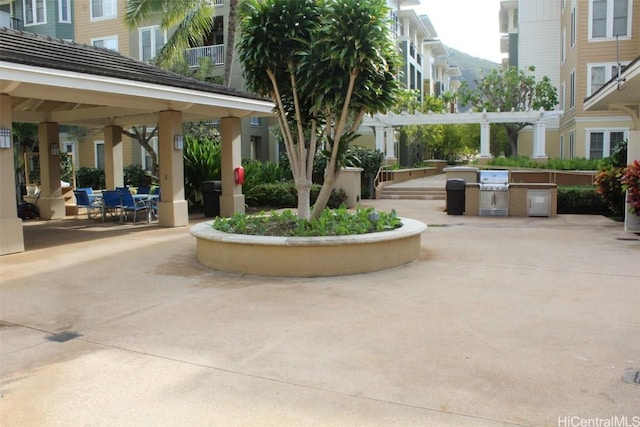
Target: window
(563, 52)
(103, 9)
(601, 142)
(99, 154)
(562, 146)
(572, 144)
(572, 89)
(35, 12)
(599, 74)
(573, 25)
(107, 43)
(255, 121)
(609, 18)
(152, 40)
(64, 10)
(562, 89)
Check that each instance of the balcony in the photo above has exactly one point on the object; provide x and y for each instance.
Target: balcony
(9, 21)
(214, 52)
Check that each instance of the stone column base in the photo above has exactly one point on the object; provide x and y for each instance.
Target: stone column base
(173, 214)
(11, 236)
(231, 204)
(51, 207)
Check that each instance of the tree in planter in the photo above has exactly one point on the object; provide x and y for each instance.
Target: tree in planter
(510, 90)
(325, 64)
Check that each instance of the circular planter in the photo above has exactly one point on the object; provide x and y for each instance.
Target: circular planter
(307, 256)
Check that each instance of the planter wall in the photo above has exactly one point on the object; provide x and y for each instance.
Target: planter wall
(307, 256)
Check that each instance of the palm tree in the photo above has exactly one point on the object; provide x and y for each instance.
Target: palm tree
(192, 20)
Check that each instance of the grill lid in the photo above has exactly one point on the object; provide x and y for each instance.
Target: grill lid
(494, 178)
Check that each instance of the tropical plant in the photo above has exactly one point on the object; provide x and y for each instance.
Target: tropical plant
(631, 184)
(90, 178)
(610, 188)
(202, 162)
(325, 64)
(510, 90)
(190, 21)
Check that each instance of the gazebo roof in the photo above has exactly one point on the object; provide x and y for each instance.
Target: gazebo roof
(51, 79)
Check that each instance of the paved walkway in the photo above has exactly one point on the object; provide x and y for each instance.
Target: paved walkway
(502, 321)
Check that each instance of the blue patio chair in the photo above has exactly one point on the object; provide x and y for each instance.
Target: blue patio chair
(129, 205)
(83, 201)
(143, 190)
(112, 203)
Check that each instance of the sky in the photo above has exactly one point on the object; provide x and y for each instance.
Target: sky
(470, 26)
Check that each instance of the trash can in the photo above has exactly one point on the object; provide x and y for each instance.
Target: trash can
(211, 191)
(455, 196)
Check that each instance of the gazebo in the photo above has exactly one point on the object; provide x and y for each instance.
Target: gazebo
(51, 82)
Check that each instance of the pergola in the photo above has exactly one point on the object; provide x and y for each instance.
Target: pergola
(622, 93)
(384, 123)
(51, 82)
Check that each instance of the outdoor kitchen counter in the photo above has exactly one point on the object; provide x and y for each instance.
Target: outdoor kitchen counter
(518, 198)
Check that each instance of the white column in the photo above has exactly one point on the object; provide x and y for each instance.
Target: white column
(485, 138)
(390, 144)
(232, 199)
(11, 236)
(113, 160)
(379, 133)
(172, 207)
(539, 142)
(50, 202)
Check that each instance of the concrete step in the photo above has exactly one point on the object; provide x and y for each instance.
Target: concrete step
(414, 196)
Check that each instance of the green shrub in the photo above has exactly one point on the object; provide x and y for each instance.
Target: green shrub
(284, 195)
(554, 164)
(581, 199)
(90, 177)
(202, 162)
(609, 187)
(135, 176)
(338, 222)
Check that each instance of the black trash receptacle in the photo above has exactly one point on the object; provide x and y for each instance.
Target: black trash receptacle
(211, 191)
(455, 196)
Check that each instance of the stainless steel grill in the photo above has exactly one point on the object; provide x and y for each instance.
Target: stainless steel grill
(494, 193)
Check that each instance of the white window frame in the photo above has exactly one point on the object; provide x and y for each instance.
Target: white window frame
(109, 10)
(34, 12)
(154, 143)
(562, 96)
(61, 18)
(114, 38)
(608, 73)
(572, 144)
(606, 144)
(563, 48)
(154, 42)
(572, 89)
(97, 143)
(574, 18)
(254, 121)
(562, 146)
(609, 22)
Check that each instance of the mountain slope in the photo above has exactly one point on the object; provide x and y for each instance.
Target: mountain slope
(472, 68)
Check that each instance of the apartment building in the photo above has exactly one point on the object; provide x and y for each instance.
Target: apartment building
(580, 45)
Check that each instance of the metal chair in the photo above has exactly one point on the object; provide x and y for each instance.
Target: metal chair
(112, 203)
(128, 204)
(84, 201)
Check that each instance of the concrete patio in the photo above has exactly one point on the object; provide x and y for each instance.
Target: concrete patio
(502, 321)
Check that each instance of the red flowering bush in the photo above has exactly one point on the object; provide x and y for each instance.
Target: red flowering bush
(631, 184)
(610, 189)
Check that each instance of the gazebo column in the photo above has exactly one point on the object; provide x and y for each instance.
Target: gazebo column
(485, 139)
(390, 156)
(232, 199)
(11, 236)
(50, 202)
(631, 221)
(172, 207)
(113, 162)
(379, 133)
(539, 142)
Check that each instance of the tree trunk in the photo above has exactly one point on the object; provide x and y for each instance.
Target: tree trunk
(325, 192)
(304, 199)
(231, 39)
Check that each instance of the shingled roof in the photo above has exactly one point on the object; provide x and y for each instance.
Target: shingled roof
(42, 51)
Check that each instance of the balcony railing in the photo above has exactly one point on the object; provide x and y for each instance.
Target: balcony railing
(214, 52)
(9, 21)
(218, 2)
